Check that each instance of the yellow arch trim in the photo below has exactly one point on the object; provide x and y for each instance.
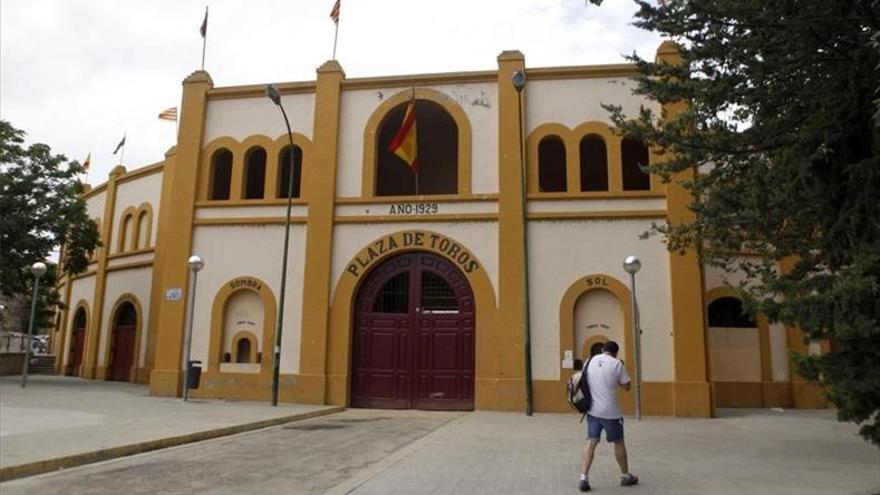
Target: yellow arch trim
(273, 168)
(368, 182)
(205, 179)
(129, 214)
(144, 209)
(111, 333)
(249, 336)
(592, 339)
(763, 331)
(566, 321)
(239, 175)
(68, 332)
(218, 310)
(490, 363)
(612, 150)
(534, 140)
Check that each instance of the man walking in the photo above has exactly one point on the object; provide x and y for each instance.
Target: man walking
(605, 373)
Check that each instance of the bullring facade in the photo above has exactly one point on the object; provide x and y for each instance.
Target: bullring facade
(405, 290)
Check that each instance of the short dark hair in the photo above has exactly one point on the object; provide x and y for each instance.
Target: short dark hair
(611, 347)
(578, 365)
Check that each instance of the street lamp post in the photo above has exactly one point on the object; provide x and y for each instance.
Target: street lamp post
(195, 263)
(38, 269)
(273, 94)
(632, 265)
(519, 83)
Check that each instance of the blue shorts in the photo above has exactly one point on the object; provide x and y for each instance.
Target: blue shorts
(613, 428)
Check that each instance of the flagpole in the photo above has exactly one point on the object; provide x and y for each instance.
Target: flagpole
(122, 155)
(204, 37)
(335, 37)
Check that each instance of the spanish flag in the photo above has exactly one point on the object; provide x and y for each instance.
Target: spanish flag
(405, 142)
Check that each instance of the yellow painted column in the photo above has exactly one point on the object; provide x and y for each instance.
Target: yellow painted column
(692, 390)
(174, 243)
(500, 383)
(93, 333)
(60, 331)
(143, 375)
(319, 191)
(802, 393)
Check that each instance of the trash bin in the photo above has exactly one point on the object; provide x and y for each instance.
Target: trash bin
(193, 375)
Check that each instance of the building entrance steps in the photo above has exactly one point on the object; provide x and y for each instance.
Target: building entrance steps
(59, 422)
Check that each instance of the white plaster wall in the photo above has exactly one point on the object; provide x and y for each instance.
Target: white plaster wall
(480, 238)
(244, 313)
(598, 312)
(137, 282)
(95, 206)
(453, 208)
(242, 117)
(251, 211)
(568, 205)
(561, 252)
(232, 251)
(82, 289)
(572, 102)
(133, 193)
(779, 352)
(477, 100)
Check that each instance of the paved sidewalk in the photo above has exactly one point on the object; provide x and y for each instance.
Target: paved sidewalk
(59, 417)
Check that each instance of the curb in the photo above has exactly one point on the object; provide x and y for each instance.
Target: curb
(74, 460)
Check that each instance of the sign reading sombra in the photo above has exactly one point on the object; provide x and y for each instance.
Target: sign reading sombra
(407, 241)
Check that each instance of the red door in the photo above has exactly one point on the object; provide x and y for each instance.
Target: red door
(122, 350)
(414, 336)
(78, 341)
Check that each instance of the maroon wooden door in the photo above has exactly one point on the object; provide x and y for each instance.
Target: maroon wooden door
(122, 350)
(414, 336)
(78, 341)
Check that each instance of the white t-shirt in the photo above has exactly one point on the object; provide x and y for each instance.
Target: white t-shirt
(604, 374)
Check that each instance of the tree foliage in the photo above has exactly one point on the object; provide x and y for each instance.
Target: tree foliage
(41, 208)
(782, 124)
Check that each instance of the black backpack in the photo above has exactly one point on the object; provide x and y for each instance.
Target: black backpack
(578, 394)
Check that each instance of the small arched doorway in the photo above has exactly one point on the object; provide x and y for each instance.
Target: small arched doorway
(122, 342)
(414, 336)
(77, 344)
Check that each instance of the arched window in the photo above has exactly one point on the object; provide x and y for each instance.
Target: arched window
(143, 230)
(551, 165)
(634, 155)
(126, 316)
(284, 172)
(393, 297)
(221, 174)
(728, 312)
(126, 233)
(594, 163)
(437, 295)
(254, 173)
(243, 350)
(437, 149)
(79, 321)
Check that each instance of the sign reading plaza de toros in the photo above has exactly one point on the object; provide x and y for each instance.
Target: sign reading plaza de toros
(409, 240)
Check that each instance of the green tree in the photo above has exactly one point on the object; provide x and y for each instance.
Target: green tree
(41, 208)
(781, 124)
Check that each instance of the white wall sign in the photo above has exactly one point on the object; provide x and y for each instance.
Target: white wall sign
(175, 294)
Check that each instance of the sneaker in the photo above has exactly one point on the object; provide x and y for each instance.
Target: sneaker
(584, 485)
(628, 480)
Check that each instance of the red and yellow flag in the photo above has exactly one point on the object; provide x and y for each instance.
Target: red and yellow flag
(404, 144)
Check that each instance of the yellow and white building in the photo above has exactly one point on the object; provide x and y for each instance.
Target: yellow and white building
(398, 299)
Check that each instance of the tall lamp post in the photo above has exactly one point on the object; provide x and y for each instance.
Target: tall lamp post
(275, 96)
(519, 83)
(38, 269)
(632, 265)
(196, 263)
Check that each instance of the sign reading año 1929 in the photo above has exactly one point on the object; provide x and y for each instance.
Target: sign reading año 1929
(413, 209)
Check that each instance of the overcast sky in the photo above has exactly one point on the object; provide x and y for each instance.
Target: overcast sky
(78, 74)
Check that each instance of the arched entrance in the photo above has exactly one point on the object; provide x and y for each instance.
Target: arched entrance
(122, 342)
(77, 344)
(414, 336)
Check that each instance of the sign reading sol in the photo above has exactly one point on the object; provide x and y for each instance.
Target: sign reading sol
(408, 240)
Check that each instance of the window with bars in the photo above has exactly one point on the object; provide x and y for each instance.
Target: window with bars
(393, 297)
(437, 295)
